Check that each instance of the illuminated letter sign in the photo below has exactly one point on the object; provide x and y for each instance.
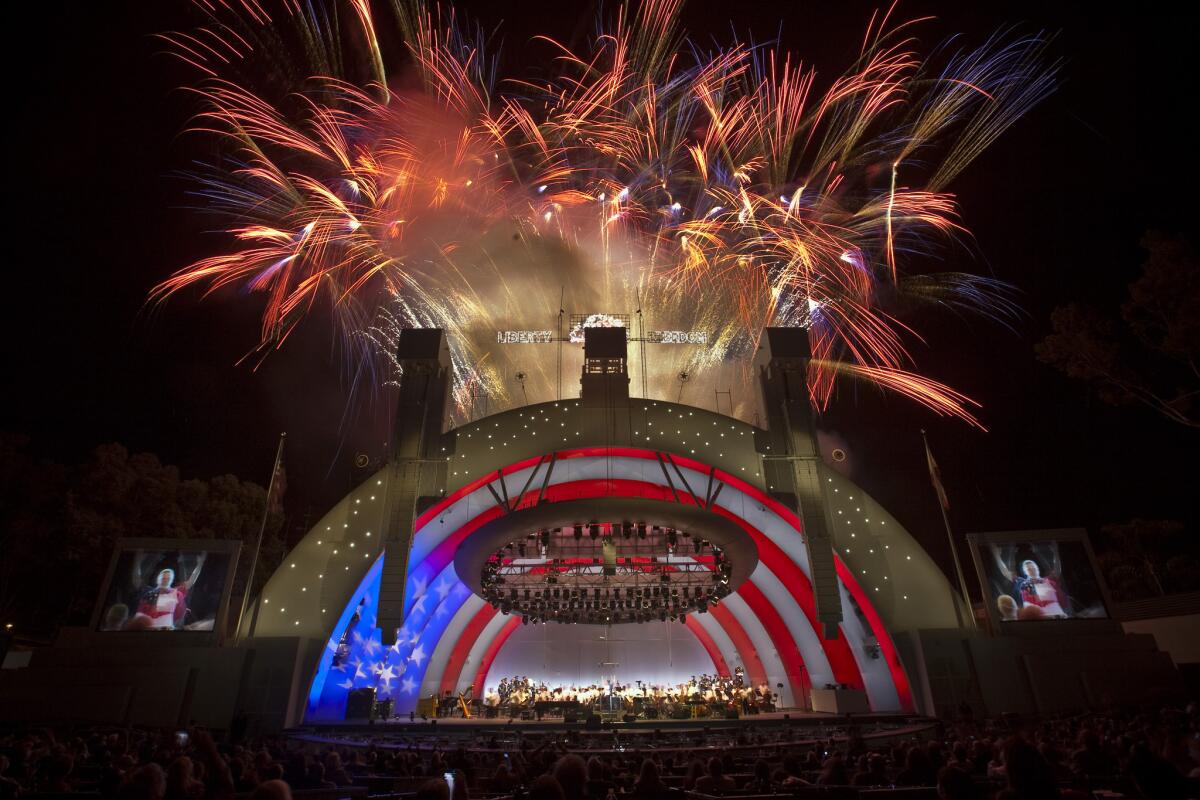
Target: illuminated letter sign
(678, 337)
(524, 337)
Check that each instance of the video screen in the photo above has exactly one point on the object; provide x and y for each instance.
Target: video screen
(165, 590)
(1042, 580)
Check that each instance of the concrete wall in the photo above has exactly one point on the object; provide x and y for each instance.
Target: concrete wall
(1035, 674)
(158, 680)
(1177, 635)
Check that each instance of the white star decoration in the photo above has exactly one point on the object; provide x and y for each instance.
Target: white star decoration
(408, 685)
(443, 589)
(418, 655)
(387, 675)
(347, 684)
(419, 586)
(419, 605)
(358, 671)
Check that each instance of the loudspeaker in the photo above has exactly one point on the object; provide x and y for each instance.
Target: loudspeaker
(360, 703)
(592, 723)
(383, 709)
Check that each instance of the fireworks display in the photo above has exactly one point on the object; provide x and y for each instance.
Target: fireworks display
(641, 178)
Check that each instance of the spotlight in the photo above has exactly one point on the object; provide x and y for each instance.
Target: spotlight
(578, 531)
(593, 530)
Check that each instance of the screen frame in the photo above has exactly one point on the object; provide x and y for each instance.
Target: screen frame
(230, 547)
(976, 542)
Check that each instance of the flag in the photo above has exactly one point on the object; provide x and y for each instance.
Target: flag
(278, 485)
(935, 475)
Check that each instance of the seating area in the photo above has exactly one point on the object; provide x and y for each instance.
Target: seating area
(1137, 753)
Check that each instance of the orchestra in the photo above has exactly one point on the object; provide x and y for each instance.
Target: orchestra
(700, 696)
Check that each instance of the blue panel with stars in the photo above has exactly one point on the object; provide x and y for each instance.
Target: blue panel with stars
(355, 658)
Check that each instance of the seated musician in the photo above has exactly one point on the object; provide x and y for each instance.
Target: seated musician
(491, 703)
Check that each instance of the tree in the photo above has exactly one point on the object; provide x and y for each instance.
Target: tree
(1141, 559)
(58, 526)
(1150, 355)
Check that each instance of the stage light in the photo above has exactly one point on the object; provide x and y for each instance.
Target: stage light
(578, 531)
(593, 530)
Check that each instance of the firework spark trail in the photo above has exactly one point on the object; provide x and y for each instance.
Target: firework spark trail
(721, 190)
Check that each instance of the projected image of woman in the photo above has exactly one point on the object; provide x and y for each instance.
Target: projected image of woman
(1036, 596)
(163, 606)
(1039, 591)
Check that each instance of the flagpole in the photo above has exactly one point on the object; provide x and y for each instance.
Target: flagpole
(942, 503)
(258, 542)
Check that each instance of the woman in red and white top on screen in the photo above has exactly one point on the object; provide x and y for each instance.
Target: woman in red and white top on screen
(164, 606)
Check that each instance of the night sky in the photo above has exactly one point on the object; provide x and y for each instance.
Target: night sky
(97, 216)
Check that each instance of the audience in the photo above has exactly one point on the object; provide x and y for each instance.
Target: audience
(1135, 753)
(715, 781)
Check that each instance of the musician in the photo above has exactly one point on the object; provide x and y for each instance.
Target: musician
(491, 703)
